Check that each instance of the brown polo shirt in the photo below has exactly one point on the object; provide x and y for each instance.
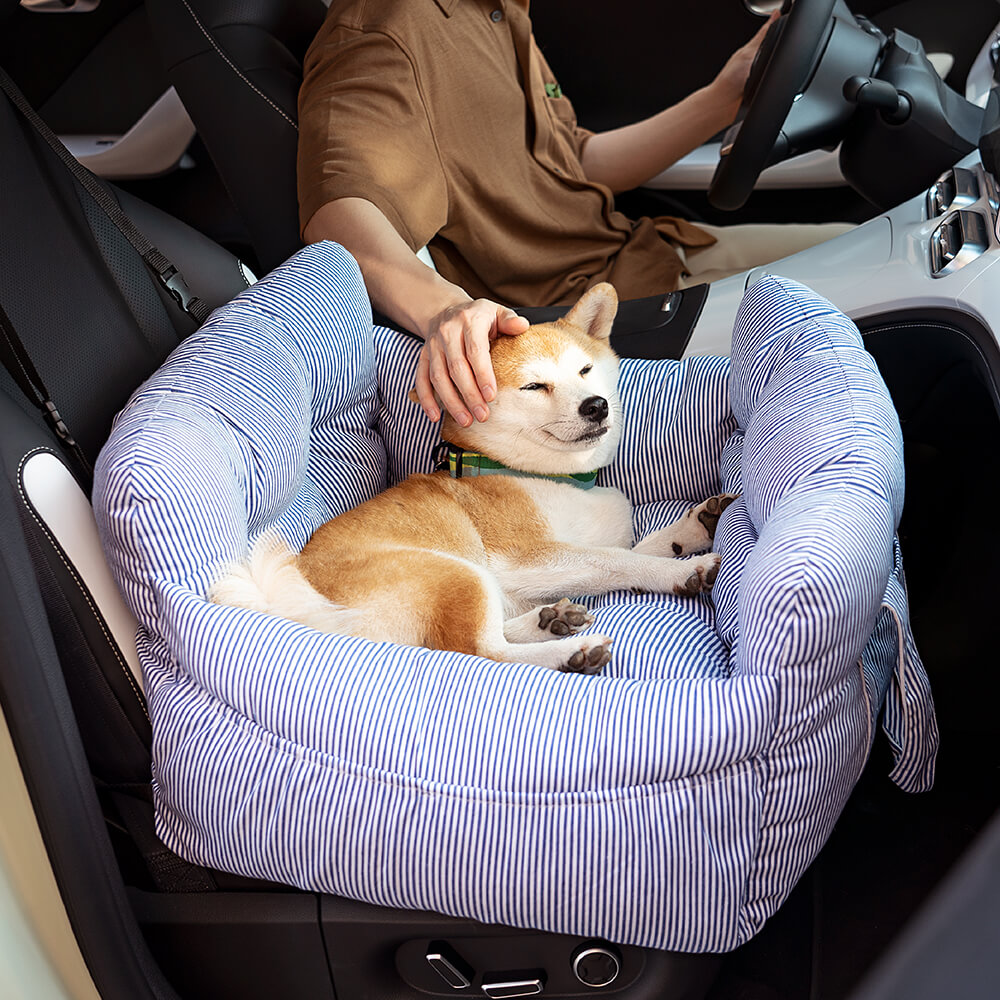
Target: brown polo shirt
(418, 106)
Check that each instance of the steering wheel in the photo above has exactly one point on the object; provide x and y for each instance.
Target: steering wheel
(779, 73)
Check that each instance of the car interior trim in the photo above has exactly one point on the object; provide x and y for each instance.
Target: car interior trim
(64, 513)
(37, 706)
(59, 6)
(819, 168)
(33, 905)
(154, 145)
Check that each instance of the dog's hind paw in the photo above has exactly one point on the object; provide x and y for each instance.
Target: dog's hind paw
(592, 656)
(704, 570)
(564, 618)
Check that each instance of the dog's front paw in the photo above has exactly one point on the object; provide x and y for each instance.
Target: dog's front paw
(564, 618)
(593, 654)
(694, 532)
(703, 571)
(709, 511)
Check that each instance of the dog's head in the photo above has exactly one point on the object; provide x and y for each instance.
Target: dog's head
(557, 408)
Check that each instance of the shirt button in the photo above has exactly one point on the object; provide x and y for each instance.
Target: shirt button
(496, 16)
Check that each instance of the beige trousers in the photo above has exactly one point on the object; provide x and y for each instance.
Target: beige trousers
(740, 248)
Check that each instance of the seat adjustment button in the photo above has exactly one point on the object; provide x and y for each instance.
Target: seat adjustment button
(596, 965)
(446, 962)
(514, 987)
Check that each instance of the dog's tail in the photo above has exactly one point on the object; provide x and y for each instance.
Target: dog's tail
(270, 582)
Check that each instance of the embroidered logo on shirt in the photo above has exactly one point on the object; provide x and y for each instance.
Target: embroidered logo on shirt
(553, 90)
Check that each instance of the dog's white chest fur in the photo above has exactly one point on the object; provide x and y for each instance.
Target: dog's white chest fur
(596, 517)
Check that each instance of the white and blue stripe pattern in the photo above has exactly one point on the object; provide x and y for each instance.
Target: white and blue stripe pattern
(672, 802)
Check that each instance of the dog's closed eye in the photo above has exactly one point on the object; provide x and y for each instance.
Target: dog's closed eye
(534, 386)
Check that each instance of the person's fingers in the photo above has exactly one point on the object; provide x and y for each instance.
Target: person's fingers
(477, 347)
(424, 389)
(510, 324)
(477, 351)
(444, 385)
(467, 331)
(737, 68)
(763, 29)
(455, 364)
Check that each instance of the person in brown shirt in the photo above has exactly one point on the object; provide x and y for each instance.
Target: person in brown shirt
(438, 123)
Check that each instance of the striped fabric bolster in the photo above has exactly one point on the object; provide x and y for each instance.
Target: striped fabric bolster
(809, 590)
(461, 464)
(908, 721)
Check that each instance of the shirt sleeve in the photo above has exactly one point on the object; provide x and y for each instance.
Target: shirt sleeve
(364, 133)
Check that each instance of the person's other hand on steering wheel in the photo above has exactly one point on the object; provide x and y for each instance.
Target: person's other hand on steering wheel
(731, 80)
(624, 158)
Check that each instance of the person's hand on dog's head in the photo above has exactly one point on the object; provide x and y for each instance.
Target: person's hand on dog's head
(455, 361)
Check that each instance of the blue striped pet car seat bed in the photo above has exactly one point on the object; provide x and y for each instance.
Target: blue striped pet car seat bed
(671, 802)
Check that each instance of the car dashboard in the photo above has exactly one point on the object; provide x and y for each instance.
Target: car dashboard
(932, 252)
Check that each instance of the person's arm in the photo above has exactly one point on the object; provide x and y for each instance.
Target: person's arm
(624, 158)
(372, 182)
(457, 330)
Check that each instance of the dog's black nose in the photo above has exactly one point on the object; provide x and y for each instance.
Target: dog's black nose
(594, 408)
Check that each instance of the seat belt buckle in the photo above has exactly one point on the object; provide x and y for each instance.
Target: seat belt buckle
(55, 421)
(173, 281)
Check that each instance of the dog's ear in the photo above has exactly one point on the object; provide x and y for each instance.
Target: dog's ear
(595, 312)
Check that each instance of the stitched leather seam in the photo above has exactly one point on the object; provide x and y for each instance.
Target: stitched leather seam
(20, 363)
(225, 58)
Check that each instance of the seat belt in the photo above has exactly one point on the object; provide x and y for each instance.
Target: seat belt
(161, 268)
(169, 872)
(17, 361)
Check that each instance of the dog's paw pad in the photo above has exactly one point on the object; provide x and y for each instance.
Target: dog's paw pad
(704, 570)
(590, 658)
(710, 510)
(564, 618)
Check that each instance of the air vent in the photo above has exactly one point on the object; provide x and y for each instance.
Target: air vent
(960, 239)
(955, 188)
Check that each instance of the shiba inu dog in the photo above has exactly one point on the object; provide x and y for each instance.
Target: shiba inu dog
(480, 563)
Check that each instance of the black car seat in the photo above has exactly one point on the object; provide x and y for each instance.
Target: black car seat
(94, 323)
(237, 66)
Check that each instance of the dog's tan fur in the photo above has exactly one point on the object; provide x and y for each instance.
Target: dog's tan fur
(464, 564)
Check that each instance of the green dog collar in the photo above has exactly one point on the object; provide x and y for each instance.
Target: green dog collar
(462, 464)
